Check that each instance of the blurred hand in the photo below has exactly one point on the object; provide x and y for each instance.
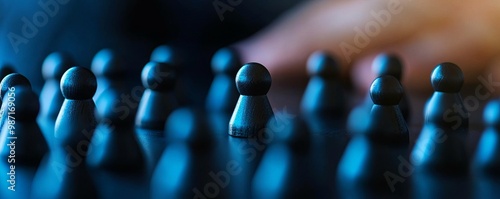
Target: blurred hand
(423, 33)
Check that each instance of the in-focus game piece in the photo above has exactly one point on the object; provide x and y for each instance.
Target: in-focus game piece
(223, 95)
(324, 94)
(64, 172)
(487, 158)
(368, 157)
(159, 99)
(441, 145)
(253, 110)
(383, 64)
(107, 68)
(51, 98)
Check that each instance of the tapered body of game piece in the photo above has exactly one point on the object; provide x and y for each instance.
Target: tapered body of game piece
(159, 99)
(51, 98)
(223, 95)
(189, 162)
(286, 159)
(370, 157)
(76, 121)
(383, 64)
(441, 144)
(324, 93)
(487, 157)
(21, 130)
(107, 68)
(253, 110)
(115, 144)
(64, 173)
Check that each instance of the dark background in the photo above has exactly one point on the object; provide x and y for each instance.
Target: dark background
(133, 28)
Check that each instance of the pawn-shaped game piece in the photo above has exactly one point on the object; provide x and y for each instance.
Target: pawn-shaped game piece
(76, 121)
(158, 99)
(386, 120)
(21, 130)
(370, 156)
(223, 95)
(51, 98)
(383, 64)
(187, 164)
(107, 68)
(8, 83)
(324, 93)
(253, 110)
(441, 146)
(487, 157)
(115, 144)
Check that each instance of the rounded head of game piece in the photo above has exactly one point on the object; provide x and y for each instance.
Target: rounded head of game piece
(6, 69)
(447, 77)
(387, 64)
(188, 126)
(386, 90)
(78, 83)
(55, 65)
(158, 76)
(226, 61)
(322, 64)
(253, 79)
(106, 63)
(165, 54)
(491, 115)
(294, 133)
(26, 103)
(13, 80)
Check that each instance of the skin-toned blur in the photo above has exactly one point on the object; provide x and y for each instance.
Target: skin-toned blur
(423, 33)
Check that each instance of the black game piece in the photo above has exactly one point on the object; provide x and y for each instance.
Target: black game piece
(441, 144)
(107, 68)
(64, 173)
(115, 146)
(158, 100)
(253, 110)
(223, 95)
(324, 93)
(386, 120)
(76, 121)
(383, 64)
(189, 162)
(7, 83)
(371, 156)
(51, 98)
(487, 158)
(21, 129)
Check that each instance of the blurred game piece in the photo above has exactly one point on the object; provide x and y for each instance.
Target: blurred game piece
(324, 94)
(253, 110)
(159, 100)
(440, 146)
(370, 158)
(51, 98)
(107, 68)
(383, 64)
(223, 95)
(487, 158)
(8, 82)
